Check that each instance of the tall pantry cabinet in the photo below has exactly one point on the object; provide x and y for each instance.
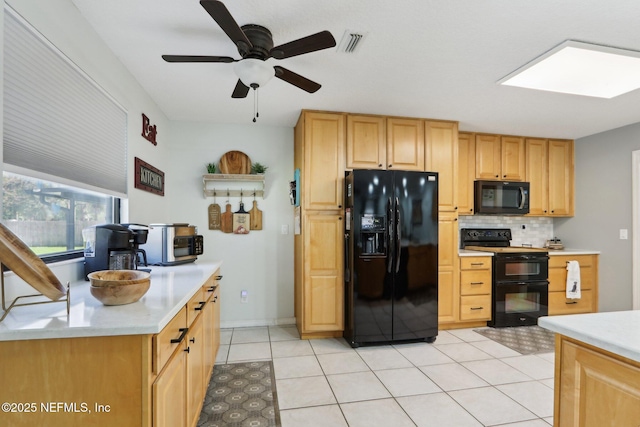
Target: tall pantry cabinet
(319, 154)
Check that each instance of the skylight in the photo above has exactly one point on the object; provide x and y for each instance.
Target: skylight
(580, 69)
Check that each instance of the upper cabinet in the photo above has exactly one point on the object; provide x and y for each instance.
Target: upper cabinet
(441, 148)
(499, 157)
(561, 172)
(550, 174)
(466, 172)
(405, 144)
(322, 151)
(366, 142)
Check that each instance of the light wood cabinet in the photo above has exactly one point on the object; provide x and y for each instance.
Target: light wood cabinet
(558, 303)
(441, 148)
(561, 178)
(145, 380)
(405, 144)
(366, 142)
(448, 289)
(324, 163)
(170, 392)
(318, 249)
(475, 288)
(537, 165)
(594, 387)
(488, 157)
(323, 289)
(500, 157)
(466, 172)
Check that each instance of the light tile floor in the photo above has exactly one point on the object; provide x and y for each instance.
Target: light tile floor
(463, 379)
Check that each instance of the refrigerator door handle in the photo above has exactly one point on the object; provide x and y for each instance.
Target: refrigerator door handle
(398, 236)
(390, 233)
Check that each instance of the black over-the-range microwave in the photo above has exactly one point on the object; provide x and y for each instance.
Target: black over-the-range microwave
(501, 198)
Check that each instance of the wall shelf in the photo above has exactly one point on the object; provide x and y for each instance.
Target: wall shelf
(232, 185)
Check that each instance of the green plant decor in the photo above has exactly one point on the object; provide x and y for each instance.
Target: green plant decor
(258, 168)
(211, 168)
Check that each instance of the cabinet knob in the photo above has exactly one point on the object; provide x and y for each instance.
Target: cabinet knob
(455, 219)
(380, 165)
(187, 349)
(340, 218)
(390, 165)
(552, 211)
(504, 176)
(497, 176)
(193, 340)
(339, 206)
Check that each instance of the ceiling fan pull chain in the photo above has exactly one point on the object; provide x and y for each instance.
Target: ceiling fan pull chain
(255, 105)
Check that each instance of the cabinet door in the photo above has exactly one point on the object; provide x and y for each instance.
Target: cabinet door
(512, 152)
(595, 388)
(561, 178)
(195, 371)
(323, 288)
(466, 172)
(537, 176)
(170, 392)
(209, 334)
(323, 174)
(405, 144)
(366, 142)
(488, 157)
(448, 276)
(216, 321)
(441, 143)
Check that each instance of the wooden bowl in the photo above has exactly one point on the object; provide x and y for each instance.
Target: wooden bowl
(119, 294)
(118, 277)
(119, 287)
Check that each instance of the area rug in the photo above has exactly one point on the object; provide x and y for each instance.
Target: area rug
(241, 394)
(523, 339)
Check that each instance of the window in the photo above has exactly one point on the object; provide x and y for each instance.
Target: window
(49, 217)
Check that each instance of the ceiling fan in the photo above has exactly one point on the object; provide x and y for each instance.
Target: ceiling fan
(255, 45)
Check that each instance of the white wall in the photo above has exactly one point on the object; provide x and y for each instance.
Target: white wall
(603, 207)
(260, 262)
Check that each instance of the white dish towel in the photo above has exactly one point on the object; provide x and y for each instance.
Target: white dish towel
(573, 280)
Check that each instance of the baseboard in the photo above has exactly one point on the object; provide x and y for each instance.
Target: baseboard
(287, 321)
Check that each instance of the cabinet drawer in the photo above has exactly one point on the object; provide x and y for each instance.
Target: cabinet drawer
(475, 307)
(475, 263)
(557, 261)
(558, 278)
(475, 282)
(559, 304)
(196, 305)
(162, 346)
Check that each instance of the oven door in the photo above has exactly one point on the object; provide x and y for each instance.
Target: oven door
(521, 267)
(519, 303)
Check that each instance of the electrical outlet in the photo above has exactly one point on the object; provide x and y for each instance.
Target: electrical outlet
(284, 229)
(244, 296)
(624, 234)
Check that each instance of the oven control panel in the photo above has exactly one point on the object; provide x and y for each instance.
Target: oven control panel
(470, 235)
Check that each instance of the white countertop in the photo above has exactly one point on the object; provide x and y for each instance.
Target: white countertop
(171, 288)
(565, 252)
(467, 252)
(616, 331)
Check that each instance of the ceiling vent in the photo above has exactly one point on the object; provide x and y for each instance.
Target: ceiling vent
(351, 41)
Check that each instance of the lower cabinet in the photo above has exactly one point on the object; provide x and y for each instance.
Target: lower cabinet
(170, 392)
(558, 303)
(196, 381)
(594, 388)
(475, 288)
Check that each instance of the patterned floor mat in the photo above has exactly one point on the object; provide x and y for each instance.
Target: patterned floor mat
(523, 339)
(241, 394)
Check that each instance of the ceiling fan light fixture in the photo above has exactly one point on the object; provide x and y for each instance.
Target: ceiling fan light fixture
(254, 72)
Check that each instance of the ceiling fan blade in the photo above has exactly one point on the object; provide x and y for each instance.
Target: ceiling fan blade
(197, 58)
(312, 43)
(221, 15)
(296, 79)
(240, 90)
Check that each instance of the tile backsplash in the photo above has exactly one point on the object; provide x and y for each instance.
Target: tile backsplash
(524, 230)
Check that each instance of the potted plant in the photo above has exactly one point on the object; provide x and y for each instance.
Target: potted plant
(211, 168)
(258, 168)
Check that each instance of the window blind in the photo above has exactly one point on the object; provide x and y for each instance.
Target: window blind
(57, 121)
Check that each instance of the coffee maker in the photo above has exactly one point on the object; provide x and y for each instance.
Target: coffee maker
(108, 247)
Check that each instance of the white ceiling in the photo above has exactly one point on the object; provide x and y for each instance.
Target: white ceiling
(421, 58)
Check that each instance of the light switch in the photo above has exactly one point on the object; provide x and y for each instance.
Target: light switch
(624, 234)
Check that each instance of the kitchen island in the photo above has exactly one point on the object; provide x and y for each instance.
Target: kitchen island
(597, 368)
(141, 364)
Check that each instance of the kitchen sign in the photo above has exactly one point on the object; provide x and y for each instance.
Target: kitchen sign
(148, 178)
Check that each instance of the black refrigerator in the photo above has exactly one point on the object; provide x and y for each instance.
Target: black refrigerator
(391, 256)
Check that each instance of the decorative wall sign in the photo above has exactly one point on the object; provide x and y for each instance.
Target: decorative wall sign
(148, 178)
(149, 132)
